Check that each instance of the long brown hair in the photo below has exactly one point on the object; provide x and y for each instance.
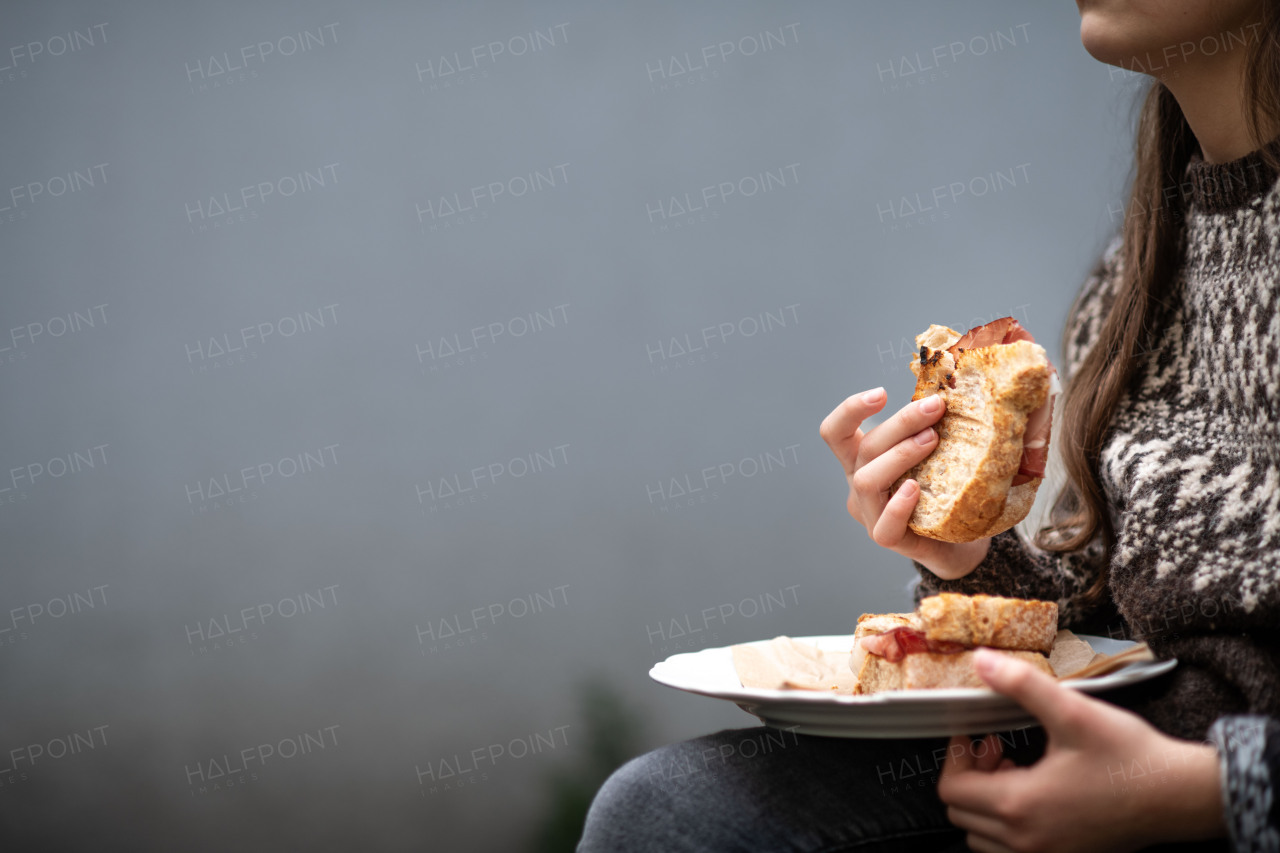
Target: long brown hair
(1151, 251)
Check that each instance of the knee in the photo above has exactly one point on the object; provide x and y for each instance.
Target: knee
(629, 804)
(675, 798)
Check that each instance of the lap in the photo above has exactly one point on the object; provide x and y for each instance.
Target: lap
(772, 789)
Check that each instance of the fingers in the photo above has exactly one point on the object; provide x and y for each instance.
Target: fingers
(1061, 709)
(873, 480)
(989, 754)
(959, 757)
(979, 844)
(906, 422)
(964, 756)
(981, 825)
(841, 429)
(967, 781)
(980, 793)
(890, 529)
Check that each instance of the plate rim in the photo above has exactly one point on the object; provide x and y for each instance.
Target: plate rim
(1139, 671)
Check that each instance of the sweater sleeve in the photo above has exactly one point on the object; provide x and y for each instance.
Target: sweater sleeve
(1014, 567)
(1249, 759)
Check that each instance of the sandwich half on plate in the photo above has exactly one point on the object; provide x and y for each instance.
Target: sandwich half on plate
(933, 647)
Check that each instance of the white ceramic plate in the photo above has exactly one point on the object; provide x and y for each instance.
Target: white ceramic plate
(894, 714)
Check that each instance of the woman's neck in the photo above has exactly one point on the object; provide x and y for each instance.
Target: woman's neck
(1210, 89)
(1216, 106)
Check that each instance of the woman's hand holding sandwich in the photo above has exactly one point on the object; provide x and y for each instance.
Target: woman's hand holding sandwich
(1108, 780)
(873, 461)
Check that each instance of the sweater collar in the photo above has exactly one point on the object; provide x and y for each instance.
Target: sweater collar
(1222, 187)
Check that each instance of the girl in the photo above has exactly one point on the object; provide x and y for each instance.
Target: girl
(1168, 529)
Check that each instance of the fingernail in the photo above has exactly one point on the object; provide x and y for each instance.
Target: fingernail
(873, 396)
(931, 404)
(924, 436)
(908, 488)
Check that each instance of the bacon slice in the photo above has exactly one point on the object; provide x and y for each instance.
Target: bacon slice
(1035, 441)
(894, 645)
(1006, 330)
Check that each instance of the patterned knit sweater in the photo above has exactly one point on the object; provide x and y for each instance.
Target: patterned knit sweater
(1191, 469)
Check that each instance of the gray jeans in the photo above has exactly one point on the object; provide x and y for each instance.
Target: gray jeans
(770, 789)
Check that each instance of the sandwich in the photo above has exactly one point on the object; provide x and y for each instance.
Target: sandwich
(993, 440)
(933, 647)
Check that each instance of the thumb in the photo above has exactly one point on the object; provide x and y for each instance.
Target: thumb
(1058, 708)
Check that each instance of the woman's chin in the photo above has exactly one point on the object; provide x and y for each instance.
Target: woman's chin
(1105, 44)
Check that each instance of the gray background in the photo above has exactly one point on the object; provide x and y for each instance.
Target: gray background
(831, 258)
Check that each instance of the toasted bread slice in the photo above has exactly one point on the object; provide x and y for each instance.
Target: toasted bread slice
(879, 623)
(990, 392)
(928, 670)
(990, 620)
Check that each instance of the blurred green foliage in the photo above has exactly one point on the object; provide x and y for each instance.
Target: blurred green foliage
(614, 734)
